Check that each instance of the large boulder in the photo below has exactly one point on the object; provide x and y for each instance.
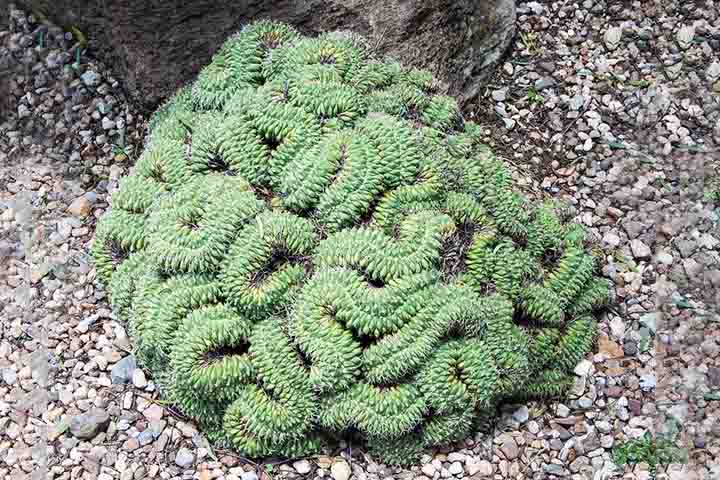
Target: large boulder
(158, 45)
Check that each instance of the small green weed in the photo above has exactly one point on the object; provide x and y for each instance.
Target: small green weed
(610, 79)
(645, 343)
(533, 96)
(648, 450)
(76, 64)
(121, 147)
(529, 41)
(82, 42)
(61, 426)
(126, 150)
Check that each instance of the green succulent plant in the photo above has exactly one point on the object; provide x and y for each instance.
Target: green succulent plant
(315, 243)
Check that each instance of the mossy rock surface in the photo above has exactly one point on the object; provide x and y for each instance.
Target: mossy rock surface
(314, 243)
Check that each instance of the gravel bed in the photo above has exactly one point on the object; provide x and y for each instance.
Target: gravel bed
(612, 106)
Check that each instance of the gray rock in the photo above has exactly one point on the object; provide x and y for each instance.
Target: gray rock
(88, 425)
(710, 348)
(589, 442)
(640, 250)
(509, 448)
(713, 276)
(713, 376)
(456, 457)
(708, 241)
(104, 108)
(107, 124)
(649, 320)
(583, 368)
(665, 258)
(522, 414)
(157, 427)
(303, 467)
(611, 239)
(146, 437)
(686, 247)
(122, 371)
(603, 426)
(630, 348)
(340, 470)
(428, 469)
(634, 229)
(549, 67)
(553, 469)
(139, 379)
(579, 463)
(607, 441)
(483, 468)
(9, 376)
(576, 102)
(184, 458)
(456, 468)
(648, 382)
(578, 387)
(85, 324)
(499, 95)
(417, 33)
(534, 7)
(90, 78)
(564, 435)
(692, 268)
(23, 111)
(544, 82)
(251, 475)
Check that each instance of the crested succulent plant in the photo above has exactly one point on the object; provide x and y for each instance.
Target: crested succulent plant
(316, 243)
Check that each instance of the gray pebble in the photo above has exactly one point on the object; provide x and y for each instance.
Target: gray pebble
(544, 82)
(184, 458)
(88, 425)
(648, 382)
(122, 371)
(90, 78)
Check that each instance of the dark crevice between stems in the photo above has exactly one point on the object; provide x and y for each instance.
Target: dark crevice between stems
(278, 259)
(223, 352)
(118, 254)
(327, 59)
(187, 140)
(217, 163)
(551, 259)
(375, 282)
(522, 319)
(158, 174)
(271, 143)
(342, 161)
(264, 194)
(453, 254)
(305, 360)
